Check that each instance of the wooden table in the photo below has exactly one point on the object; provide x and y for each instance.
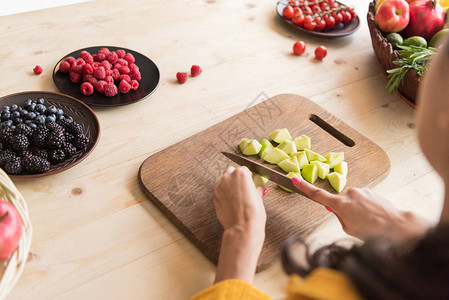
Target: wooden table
(96, 236)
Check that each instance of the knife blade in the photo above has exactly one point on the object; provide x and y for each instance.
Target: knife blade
(260, 169)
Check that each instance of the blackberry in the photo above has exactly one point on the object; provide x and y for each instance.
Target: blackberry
(5, 134)
(5, 156)
(55, 140)
(13, 166)
(24, 153)
(39, 136)
(56, 156)
(75, 128)
(1, 146)
(69, 138)
(55, 127)
(69, 150)
(42, 153)
(23, 129)
(19, 142)
(35, 164)
(66, 123)
(80, 141)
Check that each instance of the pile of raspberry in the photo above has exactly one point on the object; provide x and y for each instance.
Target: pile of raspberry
(106, 72)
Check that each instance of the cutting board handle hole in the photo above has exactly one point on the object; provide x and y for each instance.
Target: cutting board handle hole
(332, 130)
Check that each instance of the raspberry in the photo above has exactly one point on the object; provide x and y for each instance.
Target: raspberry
(124, 70)
(99, 86)
(77, 68)
(95, 65)
(195, 70)
(133, 67)
(64, 67)
(88, 69)
(87, 57)
(87, 88)
(110, 90)
(112, 57)
(100, 72)
(74, 76)
(71, 60)
(135, 75)
(129, 58)
(106, 65)
(105, 51)
(120, 53)
(109, 79)
(182, 77)
(124, 77)
(117, 66)
(122, 62)
(37, 70)
(115, 74)
(108, 72)
(99, 57)
(134, 85)
(90, 78)
(124, 87)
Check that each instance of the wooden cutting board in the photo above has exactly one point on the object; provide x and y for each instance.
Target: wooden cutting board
(180, 180)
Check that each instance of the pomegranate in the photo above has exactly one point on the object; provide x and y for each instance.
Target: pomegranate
(426, 18)
(10, 229)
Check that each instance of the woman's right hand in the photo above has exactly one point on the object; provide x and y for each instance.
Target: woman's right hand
(364, 214)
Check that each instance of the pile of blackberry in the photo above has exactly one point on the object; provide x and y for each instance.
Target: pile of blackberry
(35, 136)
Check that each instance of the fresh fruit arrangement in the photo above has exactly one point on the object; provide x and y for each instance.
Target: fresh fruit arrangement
(34, 136)
(295, 157)
(318, 15)
(106, 72)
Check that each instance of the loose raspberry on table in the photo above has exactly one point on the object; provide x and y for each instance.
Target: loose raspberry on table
(64, 67)
(124, 77)
(124, 87)
(134, 85)
(182, 77)
(74, 76)
(99, 86)
(87, 88)
(100, 72)
(129, 58)
(135, 75)
(195, 70)
(120, 53)
(110, 89)
(112, 57)
(37, 70)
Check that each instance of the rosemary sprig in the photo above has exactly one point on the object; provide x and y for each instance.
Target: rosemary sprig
(412, 58)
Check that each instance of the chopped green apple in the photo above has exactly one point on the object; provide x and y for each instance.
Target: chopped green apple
(311, 156)
(310, 173)
(279, 135)
(291, 175)
(323, 168)
(302, 142)
(287, 146)
(334, 158)
(302, 158)
(243, 143)
(259, 180)
(290, 164)
(275, 156)
(266, 147)
(342, 168)
(252, 148)
(337, 181)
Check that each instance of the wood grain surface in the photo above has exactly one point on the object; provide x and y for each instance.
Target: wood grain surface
(180, 180)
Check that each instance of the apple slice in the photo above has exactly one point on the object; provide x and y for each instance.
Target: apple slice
(252, 147)
(303, 142)
(323, 168)
(337, 181)
(275, 156)
(289, 165)
(334, 158)
(342, 168)
(259, 180)
(243, 143)
(311, 156)
(287, 146)
(310, 173)
(279, 135)
(302, 158)
(291, 175)
(266, 147)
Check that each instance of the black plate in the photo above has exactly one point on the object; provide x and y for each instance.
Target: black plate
(336, 31)
(147, 85)
(80, 112)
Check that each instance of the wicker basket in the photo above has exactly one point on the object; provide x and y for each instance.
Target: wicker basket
(11, 269)
(408, 89)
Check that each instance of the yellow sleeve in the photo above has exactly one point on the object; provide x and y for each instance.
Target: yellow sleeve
(231, 289)
(322, 284)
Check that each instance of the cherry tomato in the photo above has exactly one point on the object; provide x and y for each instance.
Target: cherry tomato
(320, 52)
(299, 48)
(306, 10)
(296, 11)
(331, 2)
(320, 24)
(298, 20)
(308, 23)
(293, 2)
(352, 12)
(330, 21)
(346, 17)
(304, 2)
(338, 17)
(288, 12)
(315, 8)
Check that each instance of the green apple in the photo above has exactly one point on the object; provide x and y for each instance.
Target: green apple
(290, 164)
(334, 158)
(323, 168)
(337, 181)
(275, 156)
(310, 173)
(302, 142)
(252, 148)
(342, 168)
(266, 147)
(311, 155)
(287, 146)
(302, 158)
(291, 175)
(279, 135)
(259, 180)
(243, 143)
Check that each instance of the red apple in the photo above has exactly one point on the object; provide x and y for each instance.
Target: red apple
(392, 15)
(10, 229)
(426, 19)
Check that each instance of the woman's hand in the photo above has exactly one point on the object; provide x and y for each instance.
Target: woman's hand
(364, 214)
(239, 207)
